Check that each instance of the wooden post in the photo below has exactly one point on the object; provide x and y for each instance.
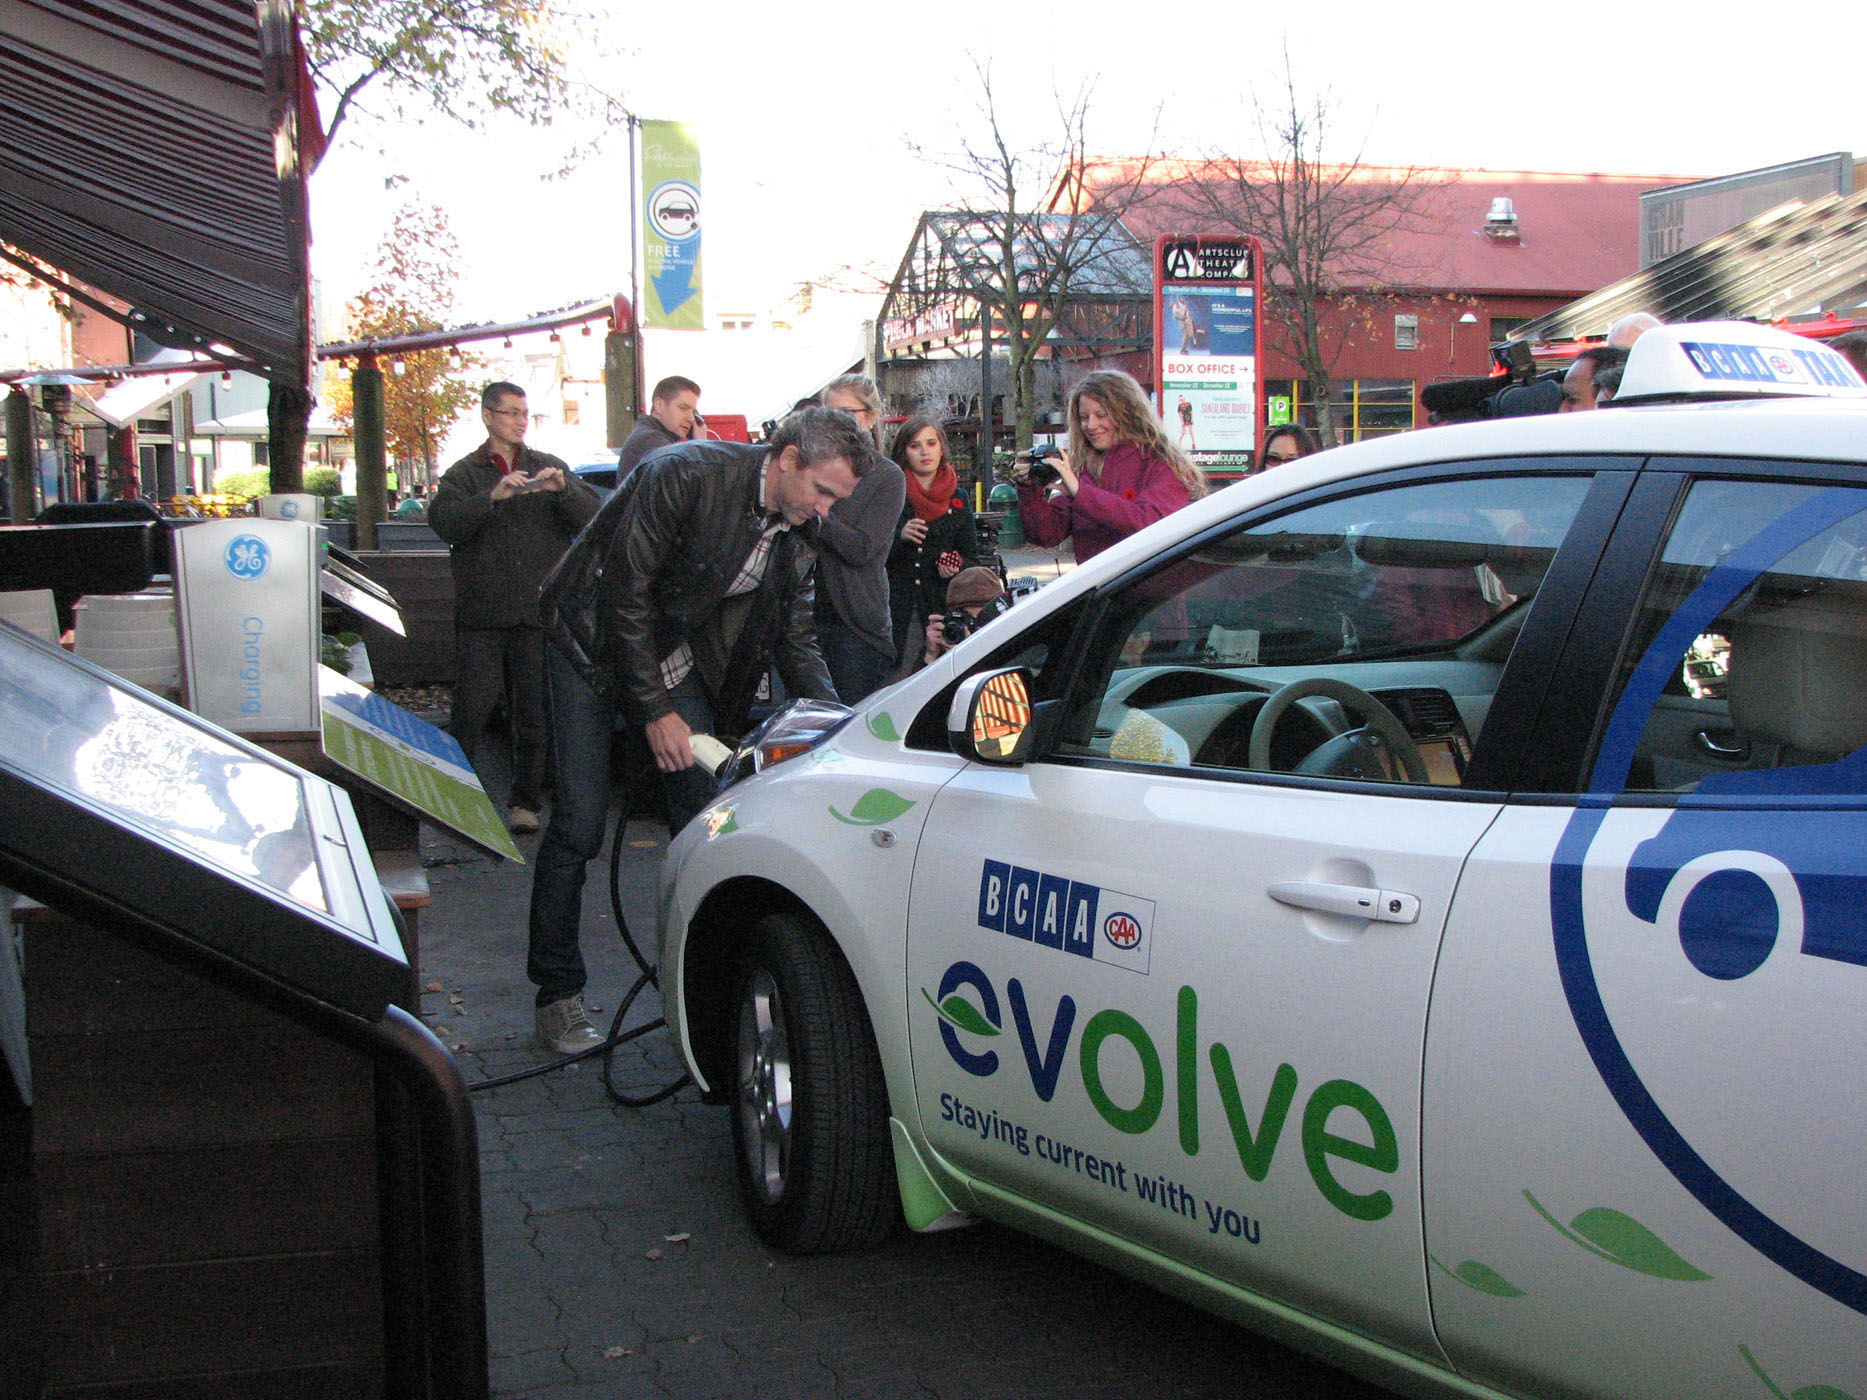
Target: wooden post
(22, 462)
(372, 449)
(288, 415)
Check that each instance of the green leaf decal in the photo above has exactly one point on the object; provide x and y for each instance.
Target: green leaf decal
(1482, 1277)
(882, 726)
(961, 1013)
(874, 807)
(827, 754)
(1623, 1240)
(1808, 1392)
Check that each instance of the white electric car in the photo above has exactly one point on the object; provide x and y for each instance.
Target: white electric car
(1344, 905)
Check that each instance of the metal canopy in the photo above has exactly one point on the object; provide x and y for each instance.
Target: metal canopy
(1792, 261)
(958, 256)
(157, 151)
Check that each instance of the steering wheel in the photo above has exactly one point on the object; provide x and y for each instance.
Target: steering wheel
(1375, 716)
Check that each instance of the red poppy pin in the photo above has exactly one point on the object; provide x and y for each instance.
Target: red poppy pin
(1129, 494)
(959, 503)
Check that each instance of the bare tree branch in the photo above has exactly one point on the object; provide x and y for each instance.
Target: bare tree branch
(1327, 228)
(1025, 239)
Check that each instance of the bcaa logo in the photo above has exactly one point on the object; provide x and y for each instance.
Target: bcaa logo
(1256, 1131)
(1054, 911)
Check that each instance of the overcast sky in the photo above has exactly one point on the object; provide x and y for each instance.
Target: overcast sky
(805, 114)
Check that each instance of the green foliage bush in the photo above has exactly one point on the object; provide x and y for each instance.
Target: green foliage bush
(252, 483)
(323, 481)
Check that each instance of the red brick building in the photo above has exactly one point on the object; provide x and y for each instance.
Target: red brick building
(1481, 253)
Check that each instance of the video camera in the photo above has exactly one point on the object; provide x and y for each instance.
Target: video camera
(1514, 390)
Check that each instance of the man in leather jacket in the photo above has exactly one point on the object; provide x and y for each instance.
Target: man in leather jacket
(687, 584)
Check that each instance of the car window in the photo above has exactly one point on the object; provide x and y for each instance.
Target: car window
(1361, 638)
(1747, 668)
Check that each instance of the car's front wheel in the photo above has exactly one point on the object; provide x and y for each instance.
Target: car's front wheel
(810, 1105)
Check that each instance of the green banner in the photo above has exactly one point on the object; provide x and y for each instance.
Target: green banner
(671, 228)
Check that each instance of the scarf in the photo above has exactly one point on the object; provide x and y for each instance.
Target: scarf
(937, 500)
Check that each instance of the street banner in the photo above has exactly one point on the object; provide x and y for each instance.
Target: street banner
(671, 226)
(1206, 333)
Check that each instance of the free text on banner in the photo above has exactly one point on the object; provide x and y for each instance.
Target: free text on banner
(671, 219)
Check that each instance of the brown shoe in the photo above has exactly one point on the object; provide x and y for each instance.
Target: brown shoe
(565, 1027)
(521, 821)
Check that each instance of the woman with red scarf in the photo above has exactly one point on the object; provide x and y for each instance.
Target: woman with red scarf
(935, 538)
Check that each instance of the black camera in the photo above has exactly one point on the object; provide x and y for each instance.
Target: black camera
(960, 624)
(1041, 471)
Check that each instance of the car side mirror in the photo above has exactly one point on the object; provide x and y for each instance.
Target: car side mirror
(990, 718)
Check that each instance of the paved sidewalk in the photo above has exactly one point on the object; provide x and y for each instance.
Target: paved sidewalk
(618, 1262)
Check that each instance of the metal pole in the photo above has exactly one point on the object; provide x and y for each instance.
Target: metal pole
(637, 383)
(984, 457)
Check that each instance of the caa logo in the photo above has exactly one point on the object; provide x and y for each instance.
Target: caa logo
(1714, 958)
(1054, 911)
(1122, 930)
(247, 557)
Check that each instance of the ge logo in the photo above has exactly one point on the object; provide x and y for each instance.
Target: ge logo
(1121, 930)
(248, 557)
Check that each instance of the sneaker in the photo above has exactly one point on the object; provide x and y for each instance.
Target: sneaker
(565, 1028)
(521, 821)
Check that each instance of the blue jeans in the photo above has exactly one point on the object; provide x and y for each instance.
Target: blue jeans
(581, 725)
(857, 669)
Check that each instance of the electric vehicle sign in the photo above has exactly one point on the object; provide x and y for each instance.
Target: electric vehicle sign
(1699, 950)
(1072, 916)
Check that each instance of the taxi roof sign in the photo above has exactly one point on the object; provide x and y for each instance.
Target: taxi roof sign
(1733, 359)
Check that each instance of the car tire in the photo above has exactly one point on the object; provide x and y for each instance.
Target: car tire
(809, 1101)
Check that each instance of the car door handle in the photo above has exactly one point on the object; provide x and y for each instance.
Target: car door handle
(1354, 901)
(1738, 748)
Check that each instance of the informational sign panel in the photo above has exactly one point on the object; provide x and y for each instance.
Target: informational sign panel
(420, 768)
(246, 595)
(671, 225)
(1206, 330)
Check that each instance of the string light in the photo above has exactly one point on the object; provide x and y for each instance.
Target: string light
(398, 366)
(453, 358)
(508, 342)
(586, 328)
(226, 379)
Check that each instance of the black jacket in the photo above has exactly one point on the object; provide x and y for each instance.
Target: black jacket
(651, 571)
(915, 588)
(648, 435)
(502, 550)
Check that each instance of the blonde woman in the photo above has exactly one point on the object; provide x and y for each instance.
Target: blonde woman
(1119, 475)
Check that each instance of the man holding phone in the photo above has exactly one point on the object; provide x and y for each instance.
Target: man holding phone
(508, 514)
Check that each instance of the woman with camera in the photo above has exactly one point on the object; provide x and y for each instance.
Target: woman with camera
(934, 538)
(1119, 474)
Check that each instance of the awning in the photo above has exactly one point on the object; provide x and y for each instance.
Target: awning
(1798, 260)
(157, 151)
(125, 402)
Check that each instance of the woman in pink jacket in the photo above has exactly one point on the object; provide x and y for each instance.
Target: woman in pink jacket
(1119, 474)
